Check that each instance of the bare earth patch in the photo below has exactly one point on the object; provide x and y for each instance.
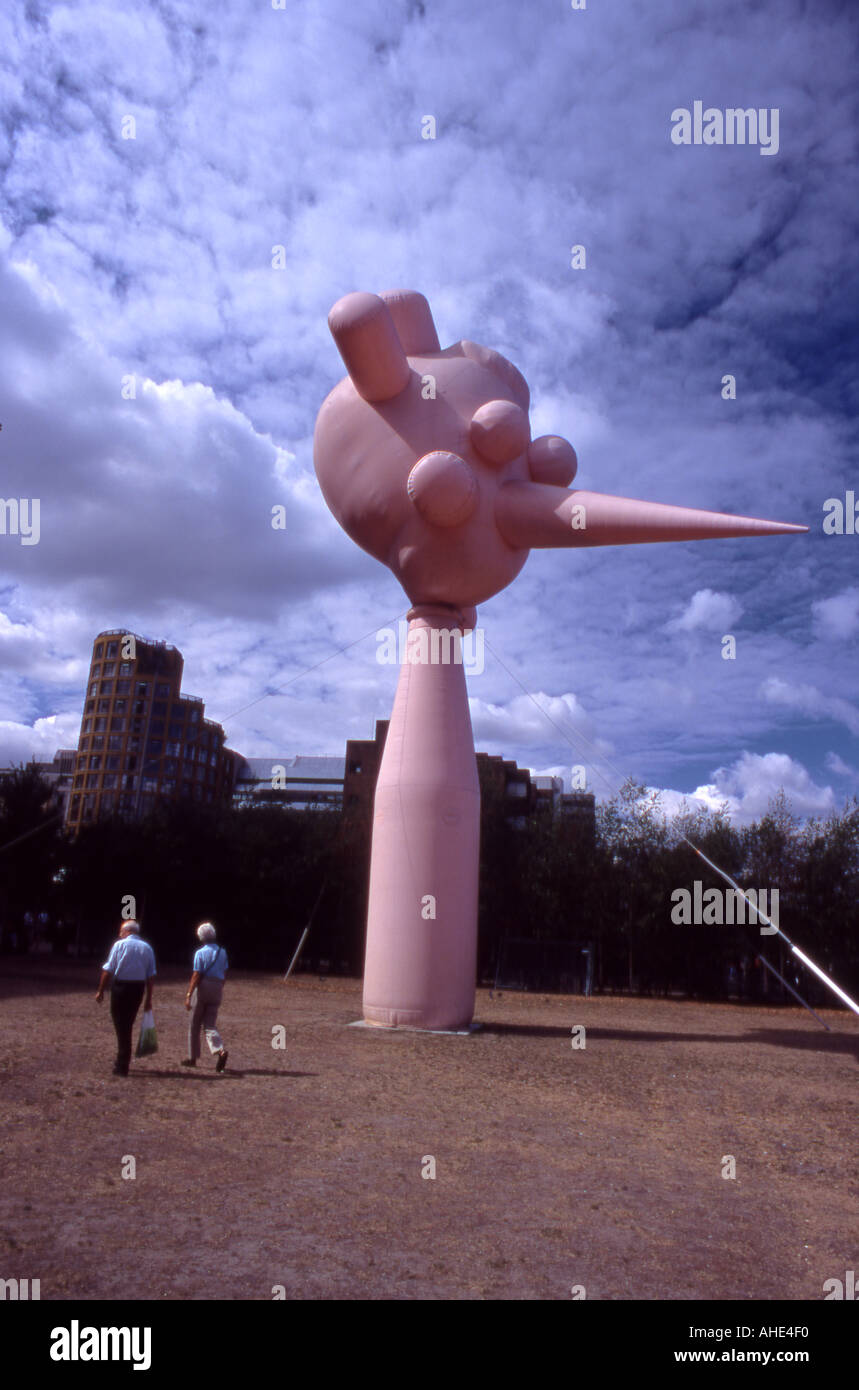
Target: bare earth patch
(302, 1167)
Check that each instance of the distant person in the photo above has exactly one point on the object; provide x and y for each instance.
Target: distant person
(210, 967)
(130, 969)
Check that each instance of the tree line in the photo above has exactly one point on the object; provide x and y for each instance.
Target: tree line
(563, 904)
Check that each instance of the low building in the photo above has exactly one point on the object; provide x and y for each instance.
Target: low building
(308, 783)
(524, 796)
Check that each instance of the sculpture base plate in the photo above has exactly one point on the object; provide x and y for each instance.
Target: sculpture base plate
(410, 1028)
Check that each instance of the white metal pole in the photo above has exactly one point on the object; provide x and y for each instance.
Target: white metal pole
(821, 974)
(297, 951)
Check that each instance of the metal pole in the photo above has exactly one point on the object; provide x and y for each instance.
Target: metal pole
(763, 960)
(304, 934)
(836, 989)
(297, 951)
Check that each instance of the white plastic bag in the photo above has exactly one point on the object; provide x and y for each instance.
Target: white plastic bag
(147, 1043)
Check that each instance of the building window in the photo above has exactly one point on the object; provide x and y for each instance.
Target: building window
(159, 708)
(119, 707)
(109, 668)
(90, 706)
(93, 690)
(99, 651)
(98, 743)
(84, 744)
(109, 781)
(194, 714)
(142, 689)
(175, 732)
(100, 725)
(87, 728)
(106, 688)
(95, 764)
(130, 783)
(95, 672)
(113, 763)
(92, 779)
(174, 749)
(123, 687)
(112, 649)
(75, 808)
(126, 668)
(118, 725)
(153, 748)
(156, 726)
(162, 692)
(114, 742)
(103, 706)
(149, 784)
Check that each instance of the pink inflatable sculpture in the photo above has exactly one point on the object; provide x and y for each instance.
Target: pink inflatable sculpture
(425, 457)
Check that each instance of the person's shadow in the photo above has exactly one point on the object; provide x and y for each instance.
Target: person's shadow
(191, 1074)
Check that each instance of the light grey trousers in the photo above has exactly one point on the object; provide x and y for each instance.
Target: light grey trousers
(206, 1002)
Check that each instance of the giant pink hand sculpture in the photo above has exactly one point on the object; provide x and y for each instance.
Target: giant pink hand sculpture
(425, 457)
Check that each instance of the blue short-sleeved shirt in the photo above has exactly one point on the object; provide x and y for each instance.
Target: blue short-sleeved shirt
(131, 959)
(204, 958)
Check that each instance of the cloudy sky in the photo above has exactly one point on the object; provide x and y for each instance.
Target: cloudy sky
(162, 364)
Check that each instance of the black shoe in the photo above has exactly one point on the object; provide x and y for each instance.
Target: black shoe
(222, 1060)
(188, 1062)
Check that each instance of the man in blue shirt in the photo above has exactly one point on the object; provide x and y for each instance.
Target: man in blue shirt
(130, 968)
(210, 967)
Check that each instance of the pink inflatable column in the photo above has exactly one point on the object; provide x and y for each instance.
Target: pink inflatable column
(421, 952)
(425, 457)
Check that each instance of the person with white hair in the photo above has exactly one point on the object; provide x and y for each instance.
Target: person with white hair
(130, 968)
(207, 979)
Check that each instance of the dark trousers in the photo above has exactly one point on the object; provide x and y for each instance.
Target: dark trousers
(125, 999)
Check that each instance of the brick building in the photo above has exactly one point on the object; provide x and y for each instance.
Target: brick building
(142, 740)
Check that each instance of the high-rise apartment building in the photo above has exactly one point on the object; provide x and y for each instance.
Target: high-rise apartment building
(142, 741)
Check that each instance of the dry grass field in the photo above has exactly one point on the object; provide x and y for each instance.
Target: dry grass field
(301, 1167)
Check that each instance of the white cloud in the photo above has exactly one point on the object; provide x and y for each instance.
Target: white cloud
(521, 721)
(808, 699)
(22, 743)
(838, 616)
(708, 610)
(840, 767)
(750, 783)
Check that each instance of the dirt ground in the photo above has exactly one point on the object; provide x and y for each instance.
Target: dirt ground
(302, 1167)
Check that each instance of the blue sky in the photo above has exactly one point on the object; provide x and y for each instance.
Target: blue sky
(150, 258)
